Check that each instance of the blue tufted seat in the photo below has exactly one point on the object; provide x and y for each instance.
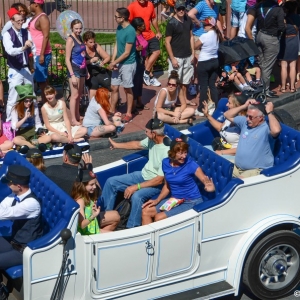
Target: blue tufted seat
(57, 207)
(286, 151)
(204, 133)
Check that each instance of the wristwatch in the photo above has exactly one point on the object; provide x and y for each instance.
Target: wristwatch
(270, 113)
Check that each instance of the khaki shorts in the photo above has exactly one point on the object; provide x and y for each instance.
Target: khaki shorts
(239, 173)
(185, 70)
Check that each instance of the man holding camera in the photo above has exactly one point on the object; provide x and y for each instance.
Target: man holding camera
(254, 151)
(65, 175)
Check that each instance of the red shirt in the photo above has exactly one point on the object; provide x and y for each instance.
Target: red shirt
(147, 12)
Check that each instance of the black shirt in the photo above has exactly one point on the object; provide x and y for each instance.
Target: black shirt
(270, 17)
(181, 36)
(64, 176)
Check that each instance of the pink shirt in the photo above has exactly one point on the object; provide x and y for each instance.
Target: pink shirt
(37, 37)
(141, 41)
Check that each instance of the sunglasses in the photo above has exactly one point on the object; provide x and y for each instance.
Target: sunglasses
(180, 9)
(116, 17)
(172, 84)
(252, 117)
(28, 101)
(19, 21)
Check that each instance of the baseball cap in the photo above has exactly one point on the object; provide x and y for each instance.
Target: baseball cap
(12, 11)
(179, 4)
(34, 153)
(209, 21)
(261, 107)
(154, 124)
(73, 152)
(16, 174)
(37, 1)
(241, 97)
(85, 175)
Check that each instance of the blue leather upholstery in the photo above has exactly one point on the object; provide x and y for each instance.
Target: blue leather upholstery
(204, 133)
(286, 151)
(57, 206)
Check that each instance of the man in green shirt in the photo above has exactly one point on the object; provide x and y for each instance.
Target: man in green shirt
(123, 62)
(139, 186)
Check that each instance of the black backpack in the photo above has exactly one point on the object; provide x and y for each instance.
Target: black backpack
(123, 208)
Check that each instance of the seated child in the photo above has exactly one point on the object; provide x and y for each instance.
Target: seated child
(232, 74)
(248, 67)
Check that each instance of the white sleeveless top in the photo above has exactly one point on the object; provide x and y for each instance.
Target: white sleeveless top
(167, 102)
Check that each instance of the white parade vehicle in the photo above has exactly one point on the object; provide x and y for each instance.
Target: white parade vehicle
(245, 233)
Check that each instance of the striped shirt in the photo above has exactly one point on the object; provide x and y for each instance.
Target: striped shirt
(204, 11)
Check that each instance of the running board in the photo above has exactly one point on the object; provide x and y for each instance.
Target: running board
(211, 291)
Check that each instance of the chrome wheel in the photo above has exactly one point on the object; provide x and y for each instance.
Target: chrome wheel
(279, 267)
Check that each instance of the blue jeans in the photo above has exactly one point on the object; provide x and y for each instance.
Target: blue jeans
(117, 184)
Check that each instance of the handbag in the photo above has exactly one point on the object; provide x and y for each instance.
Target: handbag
(219, 143)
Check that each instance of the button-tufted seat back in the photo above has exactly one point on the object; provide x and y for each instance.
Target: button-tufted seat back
(57, 207)
(204, 133)
(286, 151)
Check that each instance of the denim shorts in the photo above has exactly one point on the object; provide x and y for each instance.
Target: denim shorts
(186, 205)
(41, 71)
(77, 71)
(91, 128)
(236, 18)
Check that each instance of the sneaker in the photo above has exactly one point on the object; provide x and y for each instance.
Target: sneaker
(254, 85)
(192, 90)
(248, 88)
(198, 113)
(259, 83)
(126, 119)
(146, 79)
(154, 82)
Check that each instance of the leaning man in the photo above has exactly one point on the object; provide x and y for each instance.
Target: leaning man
(23, 208)
(254, 150)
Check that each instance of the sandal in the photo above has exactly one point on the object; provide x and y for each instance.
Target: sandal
(126, 119)
(293, 90)
(142, 107)
(298, 76)
(282, 90)
(191, 103)
(190, 122)
(136, 112)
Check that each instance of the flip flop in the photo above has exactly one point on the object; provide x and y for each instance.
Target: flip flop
(191, 103)
(142, 107)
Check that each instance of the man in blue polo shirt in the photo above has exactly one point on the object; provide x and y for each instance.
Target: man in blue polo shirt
(254, 151)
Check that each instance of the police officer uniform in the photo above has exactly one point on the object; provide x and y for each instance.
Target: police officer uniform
(25, 211)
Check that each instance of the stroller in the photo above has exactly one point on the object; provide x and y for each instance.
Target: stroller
(230, 51)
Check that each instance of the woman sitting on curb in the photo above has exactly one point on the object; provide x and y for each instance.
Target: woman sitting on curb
(165, 102)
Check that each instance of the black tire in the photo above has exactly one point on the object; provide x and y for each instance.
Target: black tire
(272, 269)
(66, 92)
(285, 118)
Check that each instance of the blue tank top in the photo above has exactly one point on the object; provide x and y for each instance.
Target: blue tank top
(78, 53)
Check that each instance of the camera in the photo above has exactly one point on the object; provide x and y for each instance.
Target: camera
(41, 131)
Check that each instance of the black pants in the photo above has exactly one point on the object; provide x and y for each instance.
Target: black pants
(207, 76)
(9, 257)
(138, 81)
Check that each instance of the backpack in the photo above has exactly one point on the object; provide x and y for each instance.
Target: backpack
(123, 208)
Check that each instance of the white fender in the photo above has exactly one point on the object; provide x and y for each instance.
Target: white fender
(237, 259)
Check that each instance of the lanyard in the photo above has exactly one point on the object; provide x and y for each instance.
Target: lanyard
(262, 12)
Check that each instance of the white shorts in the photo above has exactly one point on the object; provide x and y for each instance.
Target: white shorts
(185, 70)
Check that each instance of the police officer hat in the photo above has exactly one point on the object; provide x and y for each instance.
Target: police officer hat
(16, 174)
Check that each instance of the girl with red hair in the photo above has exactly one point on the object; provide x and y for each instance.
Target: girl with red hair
(95, 119)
